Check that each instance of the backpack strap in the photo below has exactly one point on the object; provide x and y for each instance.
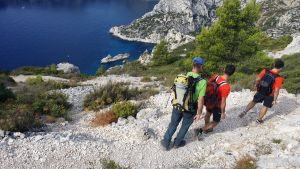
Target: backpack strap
(221, 83)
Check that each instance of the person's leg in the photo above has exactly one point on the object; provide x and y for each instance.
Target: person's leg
(207, 117)
(216, 119)
(262, 113)
(187, 121)
(258, 98)
(268, 100)
(175, 119)
(250, 106)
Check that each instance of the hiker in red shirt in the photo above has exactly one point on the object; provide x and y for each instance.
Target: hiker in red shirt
(268, 83)
(217, 91)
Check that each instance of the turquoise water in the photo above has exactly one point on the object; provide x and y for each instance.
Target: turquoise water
(39, 33)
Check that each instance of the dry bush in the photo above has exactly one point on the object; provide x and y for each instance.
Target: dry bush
(146, 79)
(103, 119)
(246, 162)
(50, 119)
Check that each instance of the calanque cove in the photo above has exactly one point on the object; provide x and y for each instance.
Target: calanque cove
(56, 117)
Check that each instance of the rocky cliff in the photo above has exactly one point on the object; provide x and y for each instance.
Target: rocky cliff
(178, 21)
(280, 17)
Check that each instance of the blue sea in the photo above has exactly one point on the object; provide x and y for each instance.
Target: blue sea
(43, 32)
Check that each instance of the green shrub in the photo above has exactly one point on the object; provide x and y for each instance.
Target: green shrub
(161, 54)
(276, 141)
(6, 80)
(43, 101)
(54, 104)
(5, 94)
(101, 71)
(38, 82)
(124, 109)
(17, 117)
(291, 73)
(34, 80)
(112, 93)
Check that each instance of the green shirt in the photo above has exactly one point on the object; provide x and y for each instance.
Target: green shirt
(200, 86)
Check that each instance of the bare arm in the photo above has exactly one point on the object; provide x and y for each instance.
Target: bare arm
(200, 107)
(276, 93)
(200, 104)
(223, 105)
(257, 80)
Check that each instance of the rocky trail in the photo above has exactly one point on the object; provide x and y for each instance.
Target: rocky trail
(135, 142)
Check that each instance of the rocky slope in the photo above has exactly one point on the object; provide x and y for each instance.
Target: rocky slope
(177, 21)
(135, 142)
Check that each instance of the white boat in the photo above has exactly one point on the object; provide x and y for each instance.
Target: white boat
(110, 58)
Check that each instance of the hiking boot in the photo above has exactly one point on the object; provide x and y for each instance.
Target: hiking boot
(181, 144)
(198, 133)
(166, 147)
(209, 130)
(259, 121)
(242, 114)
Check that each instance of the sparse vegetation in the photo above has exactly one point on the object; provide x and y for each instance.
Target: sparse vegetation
(276, 141)
(161, 55)
(276, 44)
(17, 117)
(124, 109)
(49, 84)
(291, 73)
(114, 92)
(146, 79)
(103, 119)
(21, 111)
(101, 71)
(6, 80)
(246, 162)
(33, 70)
(110, 164)
(5, 94)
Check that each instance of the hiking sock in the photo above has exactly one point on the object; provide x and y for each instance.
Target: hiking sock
(259, 121)
(243, 114)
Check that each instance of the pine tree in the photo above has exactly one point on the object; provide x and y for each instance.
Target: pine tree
(232, 38)
(161, 54)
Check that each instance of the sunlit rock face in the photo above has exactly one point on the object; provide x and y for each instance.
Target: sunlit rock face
(178, 21)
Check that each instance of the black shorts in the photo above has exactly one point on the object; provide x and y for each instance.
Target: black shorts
(216, 111)
(259, 98)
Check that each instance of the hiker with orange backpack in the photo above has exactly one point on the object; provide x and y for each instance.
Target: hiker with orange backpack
(217, 91)
(268, 84)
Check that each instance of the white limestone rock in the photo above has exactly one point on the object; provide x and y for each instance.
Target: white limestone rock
(68, 68)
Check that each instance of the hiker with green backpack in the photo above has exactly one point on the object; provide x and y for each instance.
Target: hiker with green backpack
(217, 91)
(189, 92)
(268, 84)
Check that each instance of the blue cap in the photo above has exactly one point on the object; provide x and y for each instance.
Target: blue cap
(198, 61)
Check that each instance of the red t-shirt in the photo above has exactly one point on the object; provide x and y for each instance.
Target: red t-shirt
(223, 90)
(277, 82)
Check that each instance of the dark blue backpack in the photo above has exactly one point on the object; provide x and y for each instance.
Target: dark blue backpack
(266, 83)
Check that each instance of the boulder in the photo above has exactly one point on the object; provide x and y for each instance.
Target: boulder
(68, 68)
(2, 133)
(145, 58)
(19, 135)
(148, 113)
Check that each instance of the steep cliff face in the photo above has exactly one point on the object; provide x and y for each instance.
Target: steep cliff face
(174, 20)
(280, 17)
(178, 21)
